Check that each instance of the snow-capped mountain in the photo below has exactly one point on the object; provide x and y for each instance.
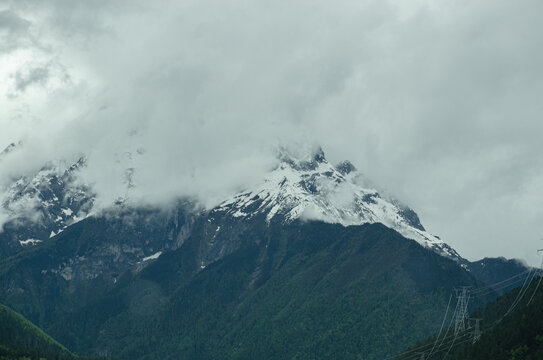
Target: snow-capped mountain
(41, 206)
(310, 188)
(305, 187)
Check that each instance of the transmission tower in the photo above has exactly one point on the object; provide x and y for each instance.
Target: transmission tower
(476, 330)
(461, 315)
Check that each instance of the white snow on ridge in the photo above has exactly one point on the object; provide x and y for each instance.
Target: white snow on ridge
(316, 190)
(29, 242)
(67, 212)
(152, 257)
(52, 198)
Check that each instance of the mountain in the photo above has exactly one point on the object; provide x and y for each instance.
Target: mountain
(39, 207)
(19, 337)
(313, 260)
(301, 186)
(289, 291)
(310, 188)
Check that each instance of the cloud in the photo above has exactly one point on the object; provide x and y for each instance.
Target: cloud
(37, 75)
(438, 102)
(13, 31)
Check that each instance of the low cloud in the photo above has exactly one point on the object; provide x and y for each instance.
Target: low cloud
(13, 31)
(438, 103)
(34, 76)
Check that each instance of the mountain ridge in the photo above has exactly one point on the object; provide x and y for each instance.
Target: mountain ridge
(309, 187)
(106, 284)
(303, 185)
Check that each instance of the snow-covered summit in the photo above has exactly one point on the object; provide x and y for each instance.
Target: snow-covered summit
(37, 207)
(310, 188)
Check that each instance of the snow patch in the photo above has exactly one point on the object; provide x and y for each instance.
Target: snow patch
(152, 257)
(67, 212)
(29, 242)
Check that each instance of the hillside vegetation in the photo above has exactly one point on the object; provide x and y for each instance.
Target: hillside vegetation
(307, 291)
(19, 338)
(511, 329)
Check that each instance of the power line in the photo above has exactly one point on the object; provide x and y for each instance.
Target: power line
(452, 338)
(520, 295)
(537, 287)
(493, 287)
(441, 328)
(427, 345)
(462, 336)
(540, 277)
(462, 313)
(476, 330)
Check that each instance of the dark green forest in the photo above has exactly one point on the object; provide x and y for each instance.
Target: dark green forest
(309, 291)
(20, 339)
(303, 291)
(511, 329)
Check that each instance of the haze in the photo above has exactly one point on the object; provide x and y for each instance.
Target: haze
(437, 102)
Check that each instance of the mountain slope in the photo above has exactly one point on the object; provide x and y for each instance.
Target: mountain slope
(302, 185)
(495, 270)
(511, 328)
(20, 335)
(290, 291)
(312, 254)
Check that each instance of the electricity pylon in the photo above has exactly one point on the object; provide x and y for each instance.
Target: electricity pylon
(476, 330)
(461, 315)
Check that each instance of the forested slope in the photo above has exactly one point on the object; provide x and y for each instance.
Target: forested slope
(511, 328)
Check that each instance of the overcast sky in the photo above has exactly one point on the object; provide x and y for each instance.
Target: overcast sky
(439, 102)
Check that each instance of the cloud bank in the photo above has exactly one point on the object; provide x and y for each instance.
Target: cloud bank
(437, 102)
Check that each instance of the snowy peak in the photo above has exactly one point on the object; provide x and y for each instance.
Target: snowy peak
(310, 188)
(41, 206)
(301, 161)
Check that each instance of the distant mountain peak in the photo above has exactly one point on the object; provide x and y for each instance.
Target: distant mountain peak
(301, 159)
(306, 186)
(38, 207)
(302, 186)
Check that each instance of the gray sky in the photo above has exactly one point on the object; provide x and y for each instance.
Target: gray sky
(436, 101)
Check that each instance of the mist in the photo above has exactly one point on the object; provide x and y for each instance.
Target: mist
(436, 103)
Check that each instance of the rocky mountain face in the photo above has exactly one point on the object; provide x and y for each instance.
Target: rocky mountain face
(309, 230)
(42, 206)
(299, 188)
(319, 288)
(310, 188)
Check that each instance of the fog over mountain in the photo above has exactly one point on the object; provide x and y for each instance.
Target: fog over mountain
(436, 103)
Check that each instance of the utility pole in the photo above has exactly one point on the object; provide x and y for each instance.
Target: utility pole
(462, 295)
(476, 330)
